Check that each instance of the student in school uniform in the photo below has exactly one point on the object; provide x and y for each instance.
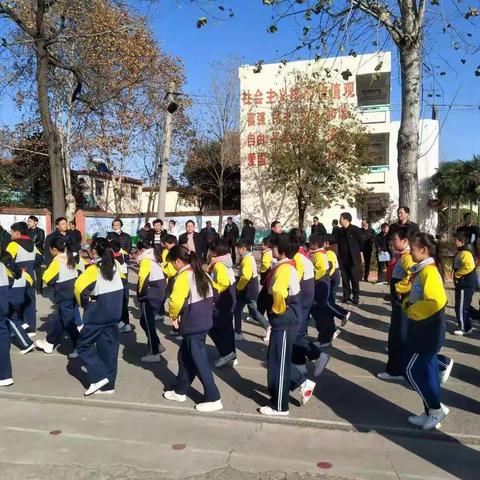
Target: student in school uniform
(223, 279)
(99, 290)
(151, 295)
(303, 347)
(23, 251)
(122, 258)
(61, 274)
(334, 273)
(267, 263)
(320, 312)
(425, 308)
(247, 291)
(285, 320)
(465, 279)
(8, 273)
(191, 310)
(399, 286)
(169, 272)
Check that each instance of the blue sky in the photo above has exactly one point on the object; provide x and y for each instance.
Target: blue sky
(245, 36)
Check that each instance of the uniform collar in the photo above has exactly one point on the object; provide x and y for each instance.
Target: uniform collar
(421, 265)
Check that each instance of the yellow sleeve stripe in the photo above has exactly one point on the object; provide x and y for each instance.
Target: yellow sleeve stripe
(88, 277)
(51, 272)
(145, 266)
(179, 294)
(12, 249)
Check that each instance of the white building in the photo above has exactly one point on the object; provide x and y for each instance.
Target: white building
(367, 90)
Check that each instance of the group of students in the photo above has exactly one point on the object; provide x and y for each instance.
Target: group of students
(296, 280)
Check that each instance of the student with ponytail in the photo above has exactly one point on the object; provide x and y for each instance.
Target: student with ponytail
(191, 309)
(151, 295)
(61, 275)
(425, 309)
(99, 290)
(123, 258)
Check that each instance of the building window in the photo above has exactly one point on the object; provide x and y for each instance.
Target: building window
(99, 188)
(134, 193)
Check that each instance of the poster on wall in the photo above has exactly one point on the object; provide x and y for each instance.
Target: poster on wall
(7, 220)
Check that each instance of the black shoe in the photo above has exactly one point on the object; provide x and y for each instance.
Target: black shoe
(355, 301)
(346, 300)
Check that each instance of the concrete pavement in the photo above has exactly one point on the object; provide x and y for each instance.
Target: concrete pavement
(355, 423)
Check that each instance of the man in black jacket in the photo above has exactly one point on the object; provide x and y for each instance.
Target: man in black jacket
(157, 234)
(230, 235)
(193, 240)
(248, 232)
(124, 238)
(209, 234)
(38, 238)
(403, 214)
(383, 246)
(368, 240)
(75, 237)
(350, 258)
(61, 229)
(318, 228)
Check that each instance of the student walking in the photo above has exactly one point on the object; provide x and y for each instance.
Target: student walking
(267, 263)
(61, 274)
(7, 277)
(247, 291)
(191, 310)
(99, 290)
(465, 279)
(425, 307)
(223, 279)
(151, 295)
(285, 319)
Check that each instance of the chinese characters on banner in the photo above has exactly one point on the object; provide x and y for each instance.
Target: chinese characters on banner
(254, 137)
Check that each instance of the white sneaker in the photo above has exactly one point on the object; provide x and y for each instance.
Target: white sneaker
(267, 410)
(105, 392)
(151, 358)
(175, 397)
(387, 376)
(306, 390)
(435, 417)
(446, 373)
(31, 334)
(346, 319)
(127, 328)
(45, 346)
(266, 338)
(462, 333)
(6, 383)
(227, 360)
(418, 420)
(28, 349)
(209, 406)
(321, 363)
(336, 334)
(159, 318)
(239, 336)
(73, 355)
(96, 386)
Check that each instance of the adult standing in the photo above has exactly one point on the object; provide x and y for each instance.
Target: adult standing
(350, 258)
(193, 240)
(473, 233)
(384, 253)
(75, 237)
(230, 235)
(317, 228)
(248, 232)
(403, 220)
(37, 235)
(61, 230)
(368, 240)
(275, 231)
(158, 233)
(172, 228)
(209, 234)
(335, 230)
(124, 238)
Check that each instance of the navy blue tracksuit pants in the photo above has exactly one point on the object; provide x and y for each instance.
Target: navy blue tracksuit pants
(18, 334)
(463, 302)
(193, 362)
(30, 310)
(5, 363)
(252, 310)
(336, 310)
(64, 320)
(282, 375)
(125, 314)
(397, 336)
(97, 348)
(303, 347)
(322, 315)
(422, 372)
(147, 322)
(222, 332)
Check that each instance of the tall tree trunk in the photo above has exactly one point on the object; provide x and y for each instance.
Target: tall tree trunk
(220, 205)
(301, 210)
(51, 134)
(407, 144)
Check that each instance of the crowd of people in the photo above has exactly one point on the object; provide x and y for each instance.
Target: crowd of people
(189, 280)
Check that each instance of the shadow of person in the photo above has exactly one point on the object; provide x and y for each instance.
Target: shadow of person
(366, 412)
(253, 348)
(74, 368)
(466, 374)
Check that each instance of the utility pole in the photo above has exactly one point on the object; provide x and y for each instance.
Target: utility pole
(162, 189)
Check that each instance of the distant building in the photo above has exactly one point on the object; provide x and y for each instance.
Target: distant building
(368, 91)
